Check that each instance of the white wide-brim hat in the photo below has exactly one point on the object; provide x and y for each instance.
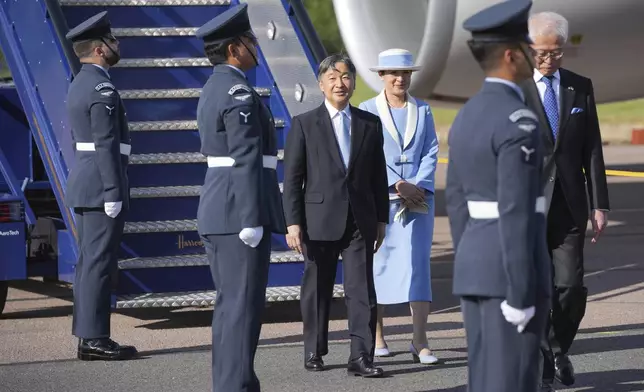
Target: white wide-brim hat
(395, 60)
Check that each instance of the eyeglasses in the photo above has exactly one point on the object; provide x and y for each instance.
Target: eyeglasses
(545, 54)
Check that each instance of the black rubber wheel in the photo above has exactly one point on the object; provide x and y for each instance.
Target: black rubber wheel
(4, 288)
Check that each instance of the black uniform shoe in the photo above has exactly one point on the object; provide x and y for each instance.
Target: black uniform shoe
(104, 349)
(363, 367)
(564, 372)
(313, 362)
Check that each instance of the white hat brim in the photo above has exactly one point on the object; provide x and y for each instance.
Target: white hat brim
(393, 68)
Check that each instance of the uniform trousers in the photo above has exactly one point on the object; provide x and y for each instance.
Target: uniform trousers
(500, 359)
(240, 274)
(96, 271)
(566, 246)
(321, 264)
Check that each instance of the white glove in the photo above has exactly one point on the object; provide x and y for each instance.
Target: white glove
(518, 317)
(252, 236)
(112, 208)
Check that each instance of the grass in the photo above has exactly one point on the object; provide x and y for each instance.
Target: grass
(616, 118)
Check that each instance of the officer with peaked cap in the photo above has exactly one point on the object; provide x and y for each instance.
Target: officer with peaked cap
(97, 186)
(240, 202)
(496, 209)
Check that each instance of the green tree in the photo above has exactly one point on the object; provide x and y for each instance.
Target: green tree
(323, 18)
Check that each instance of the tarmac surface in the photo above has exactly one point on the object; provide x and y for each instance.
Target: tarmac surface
(37, 352)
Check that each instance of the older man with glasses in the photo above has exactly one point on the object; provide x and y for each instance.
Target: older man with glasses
(565, 104)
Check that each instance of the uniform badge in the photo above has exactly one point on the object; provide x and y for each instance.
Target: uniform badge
(523, 113)
(243, 118)
(110, 109)
(242, 97)
(104, 85)
(527, 127)
(239, 87)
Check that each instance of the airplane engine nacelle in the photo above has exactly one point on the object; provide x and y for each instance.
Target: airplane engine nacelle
(606, 43)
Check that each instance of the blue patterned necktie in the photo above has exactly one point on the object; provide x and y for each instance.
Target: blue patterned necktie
(344, 138)
(551, 106)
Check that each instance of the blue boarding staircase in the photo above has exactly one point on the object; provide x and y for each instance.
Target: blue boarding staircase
(159, 78)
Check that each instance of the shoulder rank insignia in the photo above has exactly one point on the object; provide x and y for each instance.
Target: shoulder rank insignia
(523, 113)
(104, 85)
(239, 87)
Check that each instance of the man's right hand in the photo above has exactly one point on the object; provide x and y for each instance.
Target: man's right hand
(410, 192)
(294, 238)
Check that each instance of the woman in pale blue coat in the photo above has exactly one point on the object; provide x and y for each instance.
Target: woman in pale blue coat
(401, 265)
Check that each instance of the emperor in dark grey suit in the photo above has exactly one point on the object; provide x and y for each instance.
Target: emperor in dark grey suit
(240, 202)
(496, 210)
(336, 202)
(97, 187)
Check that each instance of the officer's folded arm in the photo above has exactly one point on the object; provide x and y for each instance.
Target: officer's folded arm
(244, 137)
(104, 117)
(518, 189)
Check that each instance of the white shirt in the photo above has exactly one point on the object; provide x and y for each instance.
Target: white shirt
(541, 85)
(336, 118)
(508, 83)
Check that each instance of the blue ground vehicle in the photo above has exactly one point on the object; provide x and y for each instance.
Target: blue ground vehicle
(159, 77)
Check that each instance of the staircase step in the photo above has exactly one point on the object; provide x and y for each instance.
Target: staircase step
(176, 93)
(197, 260)
(181, 125)
(175, 157)
(170, 62)
(175, 226)
(207, 298)
(169, 191)
(140, 3)
(154, 31)
(165, 191)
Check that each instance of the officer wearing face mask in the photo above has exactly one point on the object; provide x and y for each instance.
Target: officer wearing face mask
(240, 202)
(97, 186)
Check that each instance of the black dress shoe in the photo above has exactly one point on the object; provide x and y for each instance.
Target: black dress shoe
(564, 372)
(546, 387)
(363, 367)
(313, 362)
(104, 349)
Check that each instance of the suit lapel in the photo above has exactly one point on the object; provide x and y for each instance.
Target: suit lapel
(328, 135)
(534, 101)
(357, 136)
(567, 96)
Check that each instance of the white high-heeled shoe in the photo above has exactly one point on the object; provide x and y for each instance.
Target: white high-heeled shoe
(424, 359)
(381, 352)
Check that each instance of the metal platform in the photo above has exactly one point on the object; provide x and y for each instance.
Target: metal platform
(197, 260)
(169, 300)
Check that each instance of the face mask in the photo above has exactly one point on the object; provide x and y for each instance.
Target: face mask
(113, 58)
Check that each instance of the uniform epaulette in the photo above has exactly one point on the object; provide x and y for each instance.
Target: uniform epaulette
(104, 85)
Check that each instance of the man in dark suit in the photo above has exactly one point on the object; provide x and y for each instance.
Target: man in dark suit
(573, 165)
(336, 202)
(240, 202)
(97, 187)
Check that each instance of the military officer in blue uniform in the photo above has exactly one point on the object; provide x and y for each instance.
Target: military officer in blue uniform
(496, 209)
(97, 186)
(240, 202)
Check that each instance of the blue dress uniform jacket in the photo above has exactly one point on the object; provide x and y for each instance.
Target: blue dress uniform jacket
(493, 190)
(235, 126)
(102, 141)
